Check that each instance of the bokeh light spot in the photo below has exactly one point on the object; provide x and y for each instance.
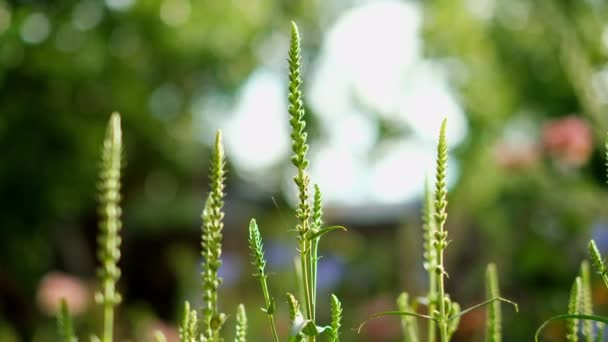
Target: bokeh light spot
(35, 28)
(175, 12)
(87, 14)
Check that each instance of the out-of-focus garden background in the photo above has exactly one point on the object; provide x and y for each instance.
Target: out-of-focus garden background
(524, 85)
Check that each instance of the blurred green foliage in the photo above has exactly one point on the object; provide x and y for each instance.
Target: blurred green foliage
(515, 65)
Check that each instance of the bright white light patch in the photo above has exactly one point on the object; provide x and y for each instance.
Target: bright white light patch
(258, 129)
(371, 67)
(399, 174)
(427, 101)
(337, 172)
(373, 44)
(120, 5)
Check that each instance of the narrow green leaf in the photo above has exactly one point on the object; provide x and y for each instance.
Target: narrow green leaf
(477, 306)
(393, 313)
(324, 231)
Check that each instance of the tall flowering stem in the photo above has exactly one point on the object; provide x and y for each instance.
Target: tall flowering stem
(302, 180)
(109, 239)
(440, 235)
(211, 244)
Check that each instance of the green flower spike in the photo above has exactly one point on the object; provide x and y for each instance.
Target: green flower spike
(298, 135)
(336, 318)
(211, 243)
(109, 238)
(241, 324)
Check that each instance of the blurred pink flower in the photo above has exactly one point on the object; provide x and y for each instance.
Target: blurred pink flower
(56, 285)
(568, 140)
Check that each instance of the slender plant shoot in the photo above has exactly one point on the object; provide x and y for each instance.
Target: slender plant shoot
(573, 309)
(65, 326)
(440, 235)
(211, 243)
(241, 324)
(336, 319)
(302, 180)
(188, 329)
(296, 319)
(583, 283)
(493, 319)
(256, 248)
(446, 314)
(109, 239)
(586, 300)
(409, 326)
(598, 261)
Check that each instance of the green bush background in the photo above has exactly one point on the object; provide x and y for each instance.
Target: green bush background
(526, 64)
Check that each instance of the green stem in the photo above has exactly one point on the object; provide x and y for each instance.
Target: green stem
(305, 259)
(307, 262)
(432, 296)
(267, 301)
(443, 331)
(314, 263)
(108, 313)
(443, 326)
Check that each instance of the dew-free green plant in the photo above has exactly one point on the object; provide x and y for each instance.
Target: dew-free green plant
(211, 244)
(241, 324)
(109, 251)
(109, 237)
(574, 309)
(257, 253)
(494, 314)
(580, 305)
(443, 314)
(408, 323)
(309, 227)
(64, 323)
(209, 327)
(188, 329)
